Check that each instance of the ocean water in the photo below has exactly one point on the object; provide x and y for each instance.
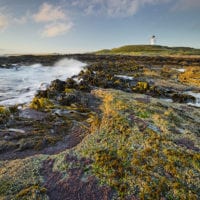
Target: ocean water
(19, 84)
(197, 97)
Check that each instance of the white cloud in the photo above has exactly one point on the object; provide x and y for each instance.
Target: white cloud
(55, 29)
(4, 22)
(56, 21)
(114, 8)
(23, 19)
(122, 8)
(8, 20)
(49, 13)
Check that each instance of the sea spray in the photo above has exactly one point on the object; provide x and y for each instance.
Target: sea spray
(197, 99)
(19, 84)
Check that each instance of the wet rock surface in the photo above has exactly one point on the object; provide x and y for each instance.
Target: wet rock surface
(122, 128)
(46, 123)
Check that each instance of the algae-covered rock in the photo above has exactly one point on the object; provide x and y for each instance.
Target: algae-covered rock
(57, 85)
(191, 76)
(41, 104)
(4, 114)
(141, 86)
(79, 141)
(4, 111)
(135, 151)
(67, 99)
(33, 192)
(21, 180)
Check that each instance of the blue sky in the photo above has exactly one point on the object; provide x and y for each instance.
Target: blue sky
(63, 26)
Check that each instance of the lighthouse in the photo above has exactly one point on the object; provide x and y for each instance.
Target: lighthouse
(153, 40)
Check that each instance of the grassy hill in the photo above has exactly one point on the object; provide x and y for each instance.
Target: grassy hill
(150, 50)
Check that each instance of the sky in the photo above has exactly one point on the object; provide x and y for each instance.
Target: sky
(70, 26)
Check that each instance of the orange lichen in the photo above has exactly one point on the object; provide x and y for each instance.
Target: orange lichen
(191, 76)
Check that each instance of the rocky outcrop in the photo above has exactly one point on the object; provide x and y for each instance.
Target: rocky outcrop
(109, 132)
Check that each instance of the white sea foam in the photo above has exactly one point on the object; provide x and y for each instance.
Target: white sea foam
(124, 77)
(18, 85)
(197, 97)
(167, 100)
(181, 70)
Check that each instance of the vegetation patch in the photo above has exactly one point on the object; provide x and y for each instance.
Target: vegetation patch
(150, 50)
(191, 76)
(41, 104)
(146, 163)
(4, 114)
(20, 179)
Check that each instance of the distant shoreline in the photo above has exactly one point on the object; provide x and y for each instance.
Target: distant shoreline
(49, 60)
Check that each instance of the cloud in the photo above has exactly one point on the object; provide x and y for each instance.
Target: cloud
(114, 8)
(4, 22)
(8, 20)
(23, 19)
(55, 29)
(49, 13)
(184, 5)
(56, 21)
(122, 8)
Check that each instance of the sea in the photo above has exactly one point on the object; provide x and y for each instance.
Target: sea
(19, 84)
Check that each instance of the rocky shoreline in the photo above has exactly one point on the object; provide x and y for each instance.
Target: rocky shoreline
(48, 60)
(123, 128)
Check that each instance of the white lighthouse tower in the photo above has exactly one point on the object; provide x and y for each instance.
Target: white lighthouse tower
(153, 40)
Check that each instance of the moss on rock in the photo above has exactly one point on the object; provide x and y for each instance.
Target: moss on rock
(4, 114)
(135, 152)
(41, 104)
(191, 76)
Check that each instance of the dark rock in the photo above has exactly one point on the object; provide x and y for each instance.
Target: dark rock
(24, 144)
(133, 83)
(183, 98)
(84, 86)
(42, 93)
(13, 134)
(162, 91)
(71, 83)
(57, 85)
(66, 99)
(185, 142)
(144, 100)
(7, 147)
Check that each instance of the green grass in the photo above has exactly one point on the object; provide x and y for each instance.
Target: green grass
(151, 50)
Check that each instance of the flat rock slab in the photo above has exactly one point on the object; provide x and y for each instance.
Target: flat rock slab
(32, 114)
